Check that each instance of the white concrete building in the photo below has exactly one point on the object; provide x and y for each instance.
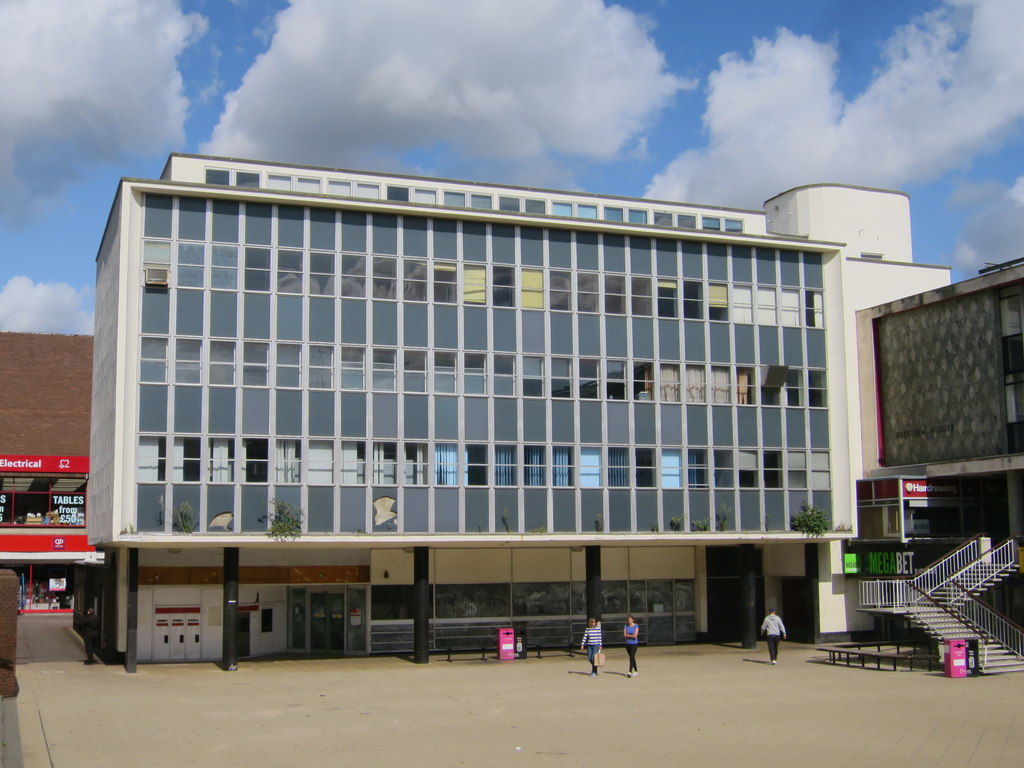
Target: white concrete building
(491, 406)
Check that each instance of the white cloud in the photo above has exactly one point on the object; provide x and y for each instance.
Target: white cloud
(85, 82)
(994, 232)
(948, 89)
(44, 307)
(517, 81)
(1016, 193)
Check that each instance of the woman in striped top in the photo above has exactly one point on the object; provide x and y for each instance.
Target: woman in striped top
(592, 644)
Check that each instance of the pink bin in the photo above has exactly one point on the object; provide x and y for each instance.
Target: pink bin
(955, 661)
(506, 644)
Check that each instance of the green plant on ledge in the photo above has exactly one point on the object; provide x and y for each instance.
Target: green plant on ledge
(284, 523)
(700, 525)
(811, 521)
(675, 523)
(184, 520)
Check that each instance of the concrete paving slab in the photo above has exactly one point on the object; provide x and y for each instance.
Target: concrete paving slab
(703, 705)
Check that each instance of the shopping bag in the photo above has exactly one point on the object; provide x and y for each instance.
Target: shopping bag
(599, 659)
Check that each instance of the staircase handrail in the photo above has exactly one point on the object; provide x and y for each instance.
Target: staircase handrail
(955, 562)
(1002, 557)
(923, 597)
(897, 592)
(940, 558)
(894, 592)
(989, 622)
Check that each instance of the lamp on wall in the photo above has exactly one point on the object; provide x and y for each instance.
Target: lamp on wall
(386, 574)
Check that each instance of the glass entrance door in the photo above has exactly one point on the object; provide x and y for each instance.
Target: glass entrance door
(357, 621)
(327, 622)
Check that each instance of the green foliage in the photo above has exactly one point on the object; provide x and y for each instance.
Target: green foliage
(700, 525)
(675, 523)
(811, 521)
(184, 519)
(284, 523)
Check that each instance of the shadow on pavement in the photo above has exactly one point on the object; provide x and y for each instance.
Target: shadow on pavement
(48, 637)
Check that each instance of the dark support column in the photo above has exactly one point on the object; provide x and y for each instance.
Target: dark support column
(229, 628)
(595, 601)
(131, 648)
(421, 605)
(811, 573)
(748, 596)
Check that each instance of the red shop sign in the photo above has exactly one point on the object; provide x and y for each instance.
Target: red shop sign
(45, 465)
(923, 489)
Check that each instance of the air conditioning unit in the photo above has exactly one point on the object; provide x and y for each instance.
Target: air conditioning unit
(159, 276)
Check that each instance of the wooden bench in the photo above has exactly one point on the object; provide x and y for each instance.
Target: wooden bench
(865, 651)
(568, 648)
(482, 650)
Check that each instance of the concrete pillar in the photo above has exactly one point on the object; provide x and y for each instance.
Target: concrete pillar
(595, 601)
(229, 627)
(1015, 502)
(421, 605)
(748, 596)
(811, 572)
(131, 646)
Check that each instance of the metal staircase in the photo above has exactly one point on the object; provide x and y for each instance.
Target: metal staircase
(943, 600)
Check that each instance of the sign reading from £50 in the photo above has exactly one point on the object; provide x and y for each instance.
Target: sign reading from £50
(24, 508)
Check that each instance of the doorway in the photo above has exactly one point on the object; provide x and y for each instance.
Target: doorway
(327, 620)
(797, 611)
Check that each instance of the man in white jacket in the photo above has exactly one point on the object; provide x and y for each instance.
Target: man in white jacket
(774, 630)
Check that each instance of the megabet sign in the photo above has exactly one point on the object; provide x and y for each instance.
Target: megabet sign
(879, 563)
(45, 465)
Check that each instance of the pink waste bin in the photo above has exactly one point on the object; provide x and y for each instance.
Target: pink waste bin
(506, 644)
(955, 660)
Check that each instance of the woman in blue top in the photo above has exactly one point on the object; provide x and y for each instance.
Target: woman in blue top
(632, 634)
(592, 642)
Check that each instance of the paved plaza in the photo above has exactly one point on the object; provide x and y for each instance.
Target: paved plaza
(697, 705)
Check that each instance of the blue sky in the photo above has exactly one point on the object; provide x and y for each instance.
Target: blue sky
(722, 103)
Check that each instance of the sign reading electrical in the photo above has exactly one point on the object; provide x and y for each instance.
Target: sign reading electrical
(45, 465)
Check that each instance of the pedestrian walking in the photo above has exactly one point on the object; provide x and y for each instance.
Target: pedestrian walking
(774, 630)
(90, 634)
(632, 634)
(593, 645)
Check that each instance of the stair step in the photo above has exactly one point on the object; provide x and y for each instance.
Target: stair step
(990, 670)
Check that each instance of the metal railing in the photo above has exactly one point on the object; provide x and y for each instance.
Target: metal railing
(994, 562)
(884, 593)
(987, 621)
(929, 612)
(948, 567)
(969, 565)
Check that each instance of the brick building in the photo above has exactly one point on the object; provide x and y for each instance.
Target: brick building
(45, 391)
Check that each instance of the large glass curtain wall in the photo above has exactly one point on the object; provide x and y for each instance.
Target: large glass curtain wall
(345, 355)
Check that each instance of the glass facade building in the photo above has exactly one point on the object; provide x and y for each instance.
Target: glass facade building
(416, 362)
